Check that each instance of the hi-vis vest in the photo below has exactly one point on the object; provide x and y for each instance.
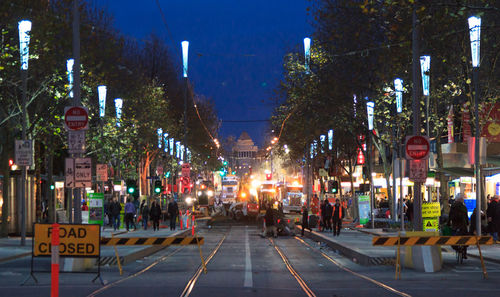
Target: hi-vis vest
(340, 211)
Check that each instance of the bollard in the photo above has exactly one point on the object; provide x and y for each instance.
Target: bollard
(54, 286)
(180, 218)
(192, 225)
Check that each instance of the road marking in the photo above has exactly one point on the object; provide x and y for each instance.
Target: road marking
(248, 263)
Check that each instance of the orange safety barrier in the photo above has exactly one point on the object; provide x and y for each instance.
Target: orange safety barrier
(54, 263)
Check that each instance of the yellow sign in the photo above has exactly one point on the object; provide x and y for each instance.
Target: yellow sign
(431, 210)
(431, 224)
(75, 240)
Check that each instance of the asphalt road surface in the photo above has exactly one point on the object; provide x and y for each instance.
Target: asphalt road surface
(242, 263)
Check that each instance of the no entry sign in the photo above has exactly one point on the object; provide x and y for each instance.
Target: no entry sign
(76, 118)
(417, 147)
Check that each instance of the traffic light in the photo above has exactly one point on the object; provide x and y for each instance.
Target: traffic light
(269, 176)
(52, 187)
(333, 186)
(158, 186)
(132, 187)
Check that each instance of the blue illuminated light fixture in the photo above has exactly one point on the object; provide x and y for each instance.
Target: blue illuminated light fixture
(69, 69)
(177, 149)
(159, 132)
(101, 91)
(182, 152)
(165, 142)
(370, 107)
(185, 50)
(24, 27)
(425, 67)
(398, 87)
(322, 140)
(330, 140)
(171, 142)
(118, 107)
(475, 39)
(307, 53)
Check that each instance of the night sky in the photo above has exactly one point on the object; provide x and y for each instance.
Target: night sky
(236, 48)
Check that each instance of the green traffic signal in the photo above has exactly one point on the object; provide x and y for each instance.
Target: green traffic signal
(52, 187)
(158, 186)
(131, 190)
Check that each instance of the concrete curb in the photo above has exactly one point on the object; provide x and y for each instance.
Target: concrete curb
(346, 251)
(15, 257)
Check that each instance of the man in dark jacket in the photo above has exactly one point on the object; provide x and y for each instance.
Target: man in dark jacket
(154, 214)
(459, 220)
(270, 220)
(114, 210)
(493, 217)
(173, 211)
(144, 211)
(328, 214)
(305, 219)
(337, 216)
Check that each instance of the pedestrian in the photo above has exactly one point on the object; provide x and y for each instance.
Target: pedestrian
(270, 219)
(305, 219)
(154, 214)
(144, 210)
(84, 206)
(337, 216)
(114, 209)
(496, 218)
(323, 215)
(129, 214)
(459, 220)
(492, 217)
(328, 215)
(173, 211)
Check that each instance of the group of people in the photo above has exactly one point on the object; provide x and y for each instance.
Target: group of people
(331, 216)
(147, 213)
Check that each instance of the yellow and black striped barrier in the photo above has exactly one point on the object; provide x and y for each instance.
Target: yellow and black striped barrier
(151, 240)
(431, 240)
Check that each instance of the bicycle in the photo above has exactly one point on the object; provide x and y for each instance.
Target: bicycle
(460, 252)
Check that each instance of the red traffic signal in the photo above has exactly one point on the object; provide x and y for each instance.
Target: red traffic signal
(269, 176)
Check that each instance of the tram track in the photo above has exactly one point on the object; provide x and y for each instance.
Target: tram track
(375, 282)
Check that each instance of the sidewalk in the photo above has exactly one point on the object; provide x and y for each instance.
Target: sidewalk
(356, 245)
(11, 249)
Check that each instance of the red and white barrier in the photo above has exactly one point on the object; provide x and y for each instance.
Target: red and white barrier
(54, 287)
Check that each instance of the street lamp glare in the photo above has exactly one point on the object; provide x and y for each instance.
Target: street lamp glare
(101, 91)
(118, 107)
(185, 50)
(69, 68)
(398, 87)
(425, 67)
(370, 106)
(307, 52)
(475, 39)
(159, 132)
(24, 27)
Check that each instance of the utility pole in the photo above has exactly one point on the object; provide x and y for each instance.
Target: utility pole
(417, 193)
(76, 98)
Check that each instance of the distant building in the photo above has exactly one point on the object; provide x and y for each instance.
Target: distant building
(244, 155)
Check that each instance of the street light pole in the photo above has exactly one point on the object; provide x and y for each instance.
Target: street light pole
(370, 108)
(76, 97)
(475, 39)
(398, 88)
(24, 40)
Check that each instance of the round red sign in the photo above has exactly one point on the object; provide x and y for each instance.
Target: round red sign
(76, 118)
(417, 147)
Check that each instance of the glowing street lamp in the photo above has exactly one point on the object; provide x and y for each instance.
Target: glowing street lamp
(370, 107)
(398, 87)
(185, 49)
(475, 40)
(118, 107)
(24, 27)
(165, 142)
(425, 67)
(171, 142)
(69, 69)
(322, 140)
(307, 52)
(159, 132)
(101, 91)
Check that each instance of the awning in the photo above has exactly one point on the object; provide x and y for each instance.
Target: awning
(459, 171)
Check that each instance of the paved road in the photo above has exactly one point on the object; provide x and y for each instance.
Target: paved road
(247, 265)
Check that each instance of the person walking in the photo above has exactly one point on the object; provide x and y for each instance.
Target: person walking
(328, 215)
(129, 214)
(337, 216)
(270, 219)
(114, 210)
(322, 210)
(305, 219)
(173, 211)
(493, 218)
(154, 214)
(459, 220)
(144, 210)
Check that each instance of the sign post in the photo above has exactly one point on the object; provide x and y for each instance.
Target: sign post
(24, 152)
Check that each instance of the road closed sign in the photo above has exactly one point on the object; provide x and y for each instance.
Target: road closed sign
(75, 240)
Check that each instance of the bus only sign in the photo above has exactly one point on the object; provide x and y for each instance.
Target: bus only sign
(75, 240)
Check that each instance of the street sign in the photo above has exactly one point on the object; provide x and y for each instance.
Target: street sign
(83, 172)
(76, 142)
(431, 224)
(75, 240)
(96, 208)
(76, 117)
(186, 169)
(418, 171)
(24, 152)
(417, 147)
(102, 172)
(69, 173)
(431, 210)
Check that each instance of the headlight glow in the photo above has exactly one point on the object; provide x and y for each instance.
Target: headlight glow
(210, 193)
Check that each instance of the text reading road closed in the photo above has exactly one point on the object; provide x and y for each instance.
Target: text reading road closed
(75, 240)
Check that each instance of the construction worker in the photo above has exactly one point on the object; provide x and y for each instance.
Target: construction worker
(337, 216)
